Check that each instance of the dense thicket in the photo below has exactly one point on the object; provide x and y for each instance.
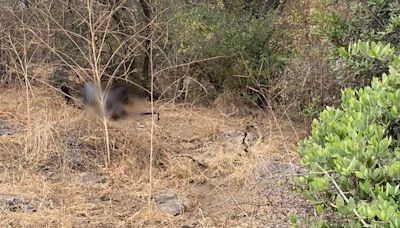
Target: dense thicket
(230, 45)
(246, 48)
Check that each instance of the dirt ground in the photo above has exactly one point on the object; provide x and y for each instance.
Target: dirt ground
(209, 169)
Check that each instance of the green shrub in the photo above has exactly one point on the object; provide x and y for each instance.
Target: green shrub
(353, 153)
(251, 47)
(361, 62)
(373, 20)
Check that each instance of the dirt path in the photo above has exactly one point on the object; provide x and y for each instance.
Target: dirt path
(208, 170)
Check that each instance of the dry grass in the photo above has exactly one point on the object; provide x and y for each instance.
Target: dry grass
(55, 163)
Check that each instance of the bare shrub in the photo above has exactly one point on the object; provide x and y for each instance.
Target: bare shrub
(307, 83)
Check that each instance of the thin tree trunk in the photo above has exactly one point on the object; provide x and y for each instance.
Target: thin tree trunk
(146, 7)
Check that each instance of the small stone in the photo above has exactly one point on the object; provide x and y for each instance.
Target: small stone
(165, 197)
(169, 202)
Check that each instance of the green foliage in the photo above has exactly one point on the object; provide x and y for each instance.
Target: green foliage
(293, 220)
(355, 148)
(249, 47)
(373, 20)
(362, 61)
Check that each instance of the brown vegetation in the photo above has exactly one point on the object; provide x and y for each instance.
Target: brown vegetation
(54, 163)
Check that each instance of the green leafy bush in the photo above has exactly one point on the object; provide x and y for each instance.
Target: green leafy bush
(345, 22)
(250, 48)
(362, 61)
(353, 153)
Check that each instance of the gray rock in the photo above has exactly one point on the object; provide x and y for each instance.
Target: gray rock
(267, 169)
(232, 137)
(169, 202)
(6, 128)
(16, 203)
(7, 132)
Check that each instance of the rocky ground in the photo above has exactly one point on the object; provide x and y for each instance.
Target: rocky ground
(209, 169)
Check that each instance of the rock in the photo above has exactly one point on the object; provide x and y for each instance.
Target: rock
(232, 137)
(247, 138)
(169, 202)
(7, 132)
(6, 128)
(266, 169)
(15, 203)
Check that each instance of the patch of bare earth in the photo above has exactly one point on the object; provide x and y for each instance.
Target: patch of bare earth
(208, 170)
